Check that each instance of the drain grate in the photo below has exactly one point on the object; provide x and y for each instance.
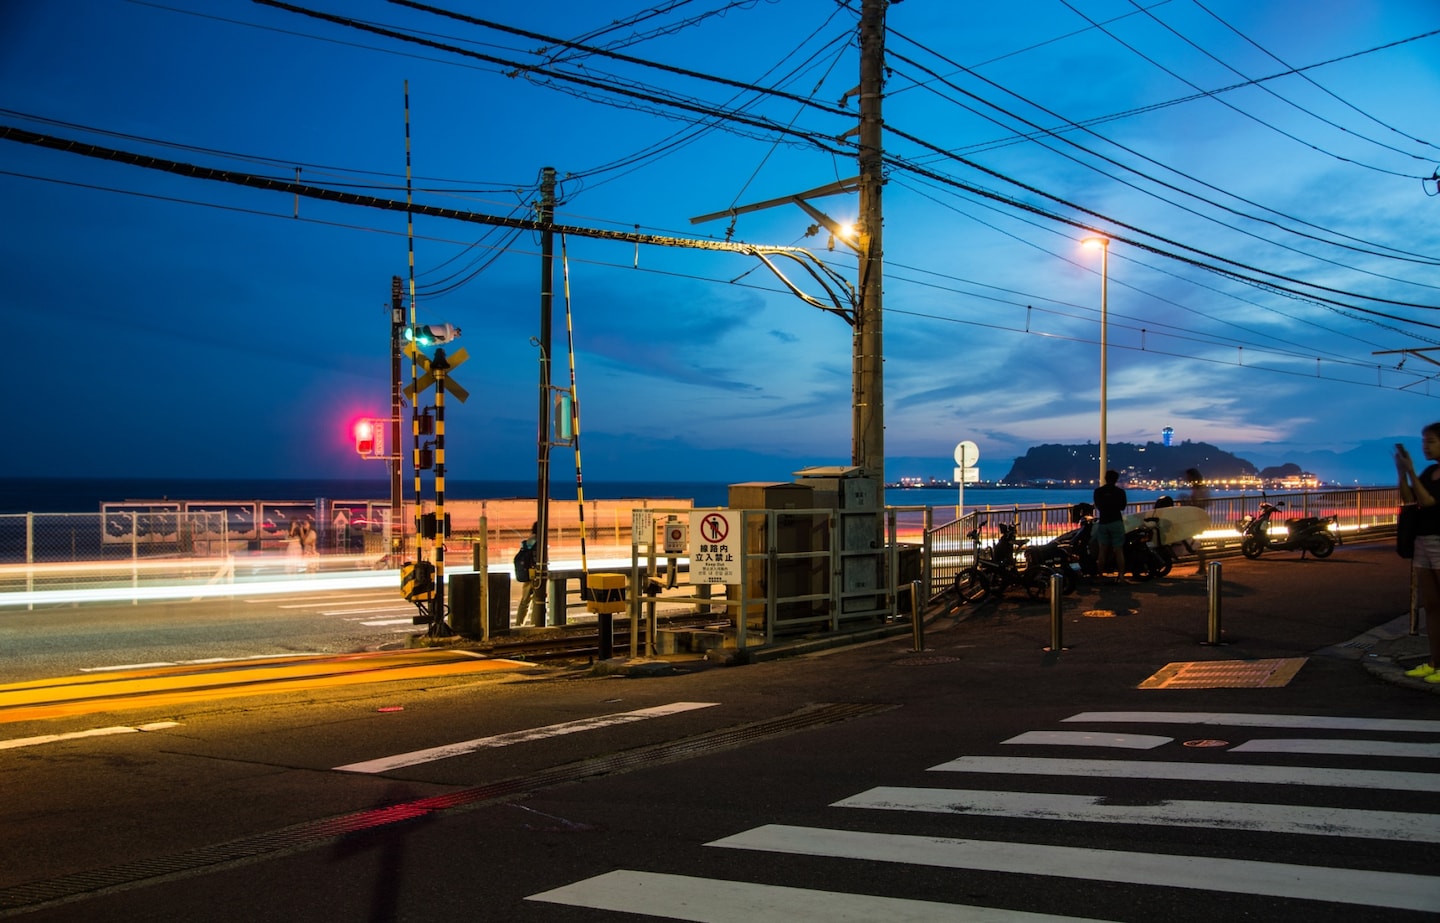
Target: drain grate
(320, 832)
(1226, 674)
(925, 661)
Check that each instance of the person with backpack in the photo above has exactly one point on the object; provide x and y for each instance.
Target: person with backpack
(525, 573)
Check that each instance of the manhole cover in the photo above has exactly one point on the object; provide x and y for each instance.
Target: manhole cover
(1207, 743)
(1225, 674)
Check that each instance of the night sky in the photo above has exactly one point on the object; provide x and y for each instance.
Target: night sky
(1263, 170)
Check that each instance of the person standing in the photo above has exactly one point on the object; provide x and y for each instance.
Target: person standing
(525, 573)
(1423, 490)
(1109, 536)
(1199, 493)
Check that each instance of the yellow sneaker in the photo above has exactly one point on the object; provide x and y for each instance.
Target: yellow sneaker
(1421, 671)
(1433, 677)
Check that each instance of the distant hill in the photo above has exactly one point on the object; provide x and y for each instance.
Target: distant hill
(1056, 462)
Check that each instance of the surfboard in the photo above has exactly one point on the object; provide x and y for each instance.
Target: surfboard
(1177, 523)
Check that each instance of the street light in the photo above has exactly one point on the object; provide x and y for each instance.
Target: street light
(1104, 244)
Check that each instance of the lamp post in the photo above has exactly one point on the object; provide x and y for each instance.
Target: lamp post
(1104, 244)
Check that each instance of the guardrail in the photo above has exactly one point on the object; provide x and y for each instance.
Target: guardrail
(1364, 513)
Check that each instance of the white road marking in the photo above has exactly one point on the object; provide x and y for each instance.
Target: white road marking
(1308, 722)
(76, 735)
(1272, 879)
(407, 607)
(1263, 818)
(432, 754)
(381, 623)
(1197, 772)
(1340, 747)
(201, 661)
(1088, 739)
(702, 900)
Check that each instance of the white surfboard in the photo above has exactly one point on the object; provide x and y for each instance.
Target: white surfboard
(1177, 523)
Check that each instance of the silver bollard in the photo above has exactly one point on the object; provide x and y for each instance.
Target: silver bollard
(1414, 605)
(917, 616)
(1212, 590)
(1057, 589)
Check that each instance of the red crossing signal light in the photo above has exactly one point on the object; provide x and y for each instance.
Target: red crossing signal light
(365, 437)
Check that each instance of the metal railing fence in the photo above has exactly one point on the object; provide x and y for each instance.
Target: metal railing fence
(1361, 513)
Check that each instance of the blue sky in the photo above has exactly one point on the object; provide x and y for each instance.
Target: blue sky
(161, 325)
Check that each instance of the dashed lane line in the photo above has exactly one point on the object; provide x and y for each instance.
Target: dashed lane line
(446, 751)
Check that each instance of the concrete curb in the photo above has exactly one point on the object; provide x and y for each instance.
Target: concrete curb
(1387, 651)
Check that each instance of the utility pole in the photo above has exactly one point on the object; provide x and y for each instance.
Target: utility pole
(395, 456)
(868, 425)
(546, 216)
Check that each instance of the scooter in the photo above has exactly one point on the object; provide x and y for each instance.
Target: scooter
(1308, 533)
(994, 573)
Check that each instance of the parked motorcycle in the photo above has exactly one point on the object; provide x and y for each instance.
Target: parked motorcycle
(1308, 533)
(1141, 553)
(996, 570)
(1070, 554)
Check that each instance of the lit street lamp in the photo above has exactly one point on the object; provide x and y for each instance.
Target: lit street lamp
(1104, 244)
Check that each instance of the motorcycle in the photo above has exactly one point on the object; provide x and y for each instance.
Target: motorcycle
(1070, 553)
(997, 571)
(1308, 533)
(1141, 552)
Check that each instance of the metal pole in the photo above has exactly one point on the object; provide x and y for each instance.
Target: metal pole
(917, 614)
(1212, 589)
(1415, 605)
(1104, 354)
(1057, 590)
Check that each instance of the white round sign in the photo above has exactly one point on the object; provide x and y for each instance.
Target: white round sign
(967, 454)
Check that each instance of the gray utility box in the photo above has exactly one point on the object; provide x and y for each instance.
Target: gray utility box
(856, 500)
(800, 533)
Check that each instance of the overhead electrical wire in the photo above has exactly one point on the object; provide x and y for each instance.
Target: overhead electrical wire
(765, 125)
(1298, 140)
(1059, 135)
(1271, 92)
(1307, 78)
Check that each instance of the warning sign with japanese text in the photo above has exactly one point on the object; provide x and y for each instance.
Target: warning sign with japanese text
(715, 546)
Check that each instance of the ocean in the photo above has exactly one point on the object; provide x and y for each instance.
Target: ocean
(84, 495)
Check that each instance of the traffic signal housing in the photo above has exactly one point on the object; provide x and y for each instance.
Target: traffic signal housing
(431, 334)
(366, 438)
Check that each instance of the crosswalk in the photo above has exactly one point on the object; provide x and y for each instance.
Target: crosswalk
(1316, 767)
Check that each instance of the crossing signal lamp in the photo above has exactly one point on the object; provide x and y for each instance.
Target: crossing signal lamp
(428, 335)
(365, 438)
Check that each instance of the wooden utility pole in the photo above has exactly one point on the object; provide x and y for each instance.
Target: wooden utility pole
(868, 425)
(546, 216)
(394, 456)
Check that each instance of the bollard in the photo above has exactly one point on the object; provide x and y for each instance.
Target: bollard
(1057, 590)
(1414, 605)
(917, 616)
(1212, 590)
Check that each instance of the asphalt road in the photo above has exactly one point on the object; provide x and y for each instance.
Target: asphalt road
(869, 782)
(65, 639)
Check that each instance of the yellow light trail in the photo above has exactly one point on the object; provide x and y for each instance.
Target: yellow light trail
(191, 683)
